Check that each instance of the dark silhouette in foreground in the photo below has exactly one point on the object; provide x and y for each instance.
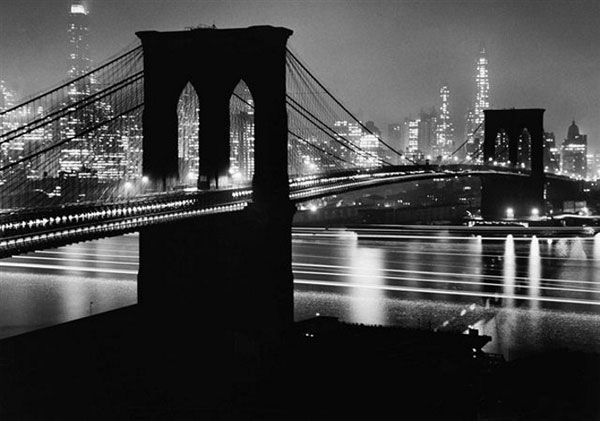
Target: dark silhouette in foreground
(117, 366)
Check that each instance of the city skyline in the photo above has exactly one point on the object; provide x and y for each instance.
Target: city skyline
(546, 68)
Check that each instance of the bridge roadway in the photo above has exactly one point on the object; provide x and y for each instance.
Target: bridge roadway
(25, 230)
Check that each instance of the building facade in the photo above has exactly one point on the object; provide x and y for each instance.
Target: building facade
(574, 153)
(445, 130)
(474, 127)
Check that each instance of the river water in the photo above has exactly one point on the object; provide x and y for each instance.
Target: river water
(529, 293)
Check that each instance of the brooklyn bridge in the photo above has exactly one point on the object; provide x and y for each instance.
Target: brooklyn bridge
(213, 224)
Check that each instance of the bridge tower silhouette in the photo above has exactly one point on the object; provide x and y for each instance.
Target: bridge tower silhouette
(229, 274)
(499, 192)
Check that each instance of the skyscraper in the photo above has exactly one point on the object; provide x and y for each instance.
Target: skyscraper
(551, 153)
(395, 140)
(188, 109)
(482, 101)
(242, 134)
(6, 102)
(410, 138)
(77, 153)
(445, 129)
(574, 151)
(428, 121)
(79, 47)
(106, 153)
(475, 118)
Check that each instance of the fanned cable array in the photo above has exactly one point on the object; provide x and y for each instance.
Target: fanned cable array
(324, 136)
(79, 141)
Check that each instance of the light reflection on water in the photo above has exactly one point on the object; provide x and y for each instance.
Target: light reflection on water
(535, 272)
(531, 268)
(367, 264)
(29, 301)
(597, 250)
(508, 266)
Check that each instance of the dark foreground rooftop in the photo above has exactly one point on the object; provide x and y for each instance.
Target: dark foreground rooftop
(117, 365)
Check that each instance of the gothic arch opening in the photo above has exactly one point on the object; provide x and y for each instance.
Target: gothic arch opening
(524, 149)
(241, 136)
(188, 117)
(501, 148)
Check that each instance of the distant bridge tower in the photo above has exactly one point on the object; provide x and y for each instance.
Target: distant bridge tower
(499, 193)
(228, 274)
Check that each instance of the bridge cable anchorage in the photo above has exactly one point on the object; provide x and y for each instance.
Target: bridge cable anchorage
(307, 71)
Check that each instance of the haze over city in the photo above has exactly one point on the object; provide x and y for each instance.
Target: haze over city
(385, 59)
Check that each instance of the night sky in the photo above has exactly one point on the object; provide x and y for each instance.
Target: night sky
(384, 59)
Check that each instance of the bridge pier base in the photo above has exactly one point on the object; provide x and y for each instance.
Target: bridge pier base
(216, 292)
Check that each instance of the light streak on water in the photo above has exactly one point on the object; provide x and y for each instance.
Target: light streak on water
(596, 250)
(535, 271)
(67, 268)
(508, 327)
(366, 267)
(440, 291)
(535, 274)
(415, 281)
(509, 270)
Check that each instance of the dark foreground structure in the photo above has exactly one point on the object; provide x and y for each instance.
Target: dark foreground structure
(116, 366)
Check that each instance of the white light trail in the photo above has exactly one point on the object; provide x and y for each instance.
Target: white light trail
(443, 292)
(440, 281)
(68, 259)
(124, 255)
(68, 268)
(454, 274)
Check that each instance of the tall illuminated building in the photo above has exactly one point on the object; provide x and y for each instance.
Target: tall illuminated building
(242, 135)
(574, 153)
(482, 95)
(445, 129)
(79, 48)
(104, 153)
(348, 132)
(475, 118)
(551, 153)
(188, 109)
(428, 122)
(77, 154)
(395, 140)
(6, 102)
(369, 142)
(410, 138)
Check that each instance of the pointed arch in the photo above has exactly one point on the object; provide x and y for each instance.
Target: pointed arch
(188, 147)
(241, 135)
(501, 147)
(524, 149)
